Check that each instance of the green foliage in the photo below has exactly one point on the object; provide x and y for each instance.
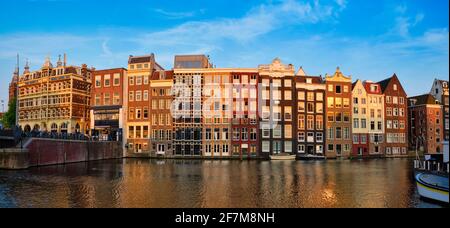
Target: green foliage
(9, 119)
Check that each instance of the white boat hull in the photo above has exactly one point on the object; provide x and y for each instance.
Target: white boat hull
(432, 193)
(283, 158)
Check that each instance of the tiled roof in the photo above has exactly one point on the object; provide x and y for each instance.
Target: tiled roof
(386, 82)
(424, 99)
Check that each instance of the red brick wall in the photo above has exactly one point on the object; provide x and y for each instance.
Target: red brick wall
(53, 152)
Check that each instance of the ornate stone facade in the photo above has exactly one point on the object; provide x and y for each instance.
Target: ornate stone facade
(55, 99)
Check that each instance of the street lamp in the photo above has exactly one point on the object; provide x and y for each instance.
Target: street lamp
(3, 106)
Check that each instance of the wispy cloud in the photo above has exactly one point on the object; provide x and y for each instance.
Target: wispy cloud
(178, 15)
(258, 21)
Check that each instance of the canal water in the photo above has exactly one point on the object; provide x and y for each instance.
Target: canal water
(224, 184)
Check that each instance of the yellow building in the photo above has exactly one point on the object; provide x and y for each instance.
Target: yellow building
(55, 99)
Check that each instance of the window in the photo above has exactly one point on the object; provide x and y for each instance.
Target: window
(338, 102)
(116, 79)
(301, 106)
(338, 133)
(301, 96)
(138, 95)
(319, 149)
(253, 134)
(288, 95)
(319, 123)
(330, 147)
(310, 137)
(98, 81)
(372, 125)
(301, 137)
(288, 113)
(355, 100)
(395, 87)
(319, 96)
(330, 117)
(116, 98)
(266, 146)
(208, 134)
(266, 133)
(346, 117)
(131, 114)
(301, 149)
(330, 133)
(395, 125)
(338, 117)
(288, 131)
(346, 89)
(319, 137)
(355, 123)
(244, 134)
(98, 99)
(330, 102)
(355, 139)
(236, 134)
(346, 133)
(138, 113)
(145, 112)
(107, 80)
(277, 132)
(288, 147)
(330, 88)
(388, 111)
(131, 96)
(346, 147)
(338, 89)
(389, 124)
(145, 80)
(346, 103)
(138, 80)
(310, 96)
(131, 80)
(301, 122)
(310, 123)
(107, 99)
(319, 107)
(388, 99)
(310, 108)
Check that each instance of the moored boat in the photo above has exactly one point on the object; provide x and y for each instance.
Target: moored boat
(283, 157)
(432, 186)
(431, 177)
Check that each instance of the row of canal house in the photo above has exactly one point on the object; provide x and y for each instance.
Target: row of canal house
(197, 110)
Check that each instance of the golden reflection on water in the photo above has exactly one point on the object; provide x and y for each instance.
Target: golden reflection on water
(216, 184)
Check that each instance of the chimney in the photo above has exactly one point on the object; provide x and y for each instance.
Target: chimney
(65, 60)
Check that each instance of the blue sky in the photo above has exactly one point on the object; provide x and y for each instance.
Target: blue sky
(369, 40)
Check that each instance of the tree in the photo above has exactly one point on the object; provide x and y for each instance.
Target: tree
(9, 118)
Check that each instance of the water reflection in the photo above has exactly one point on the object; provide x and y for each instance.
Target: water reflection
(223, 184)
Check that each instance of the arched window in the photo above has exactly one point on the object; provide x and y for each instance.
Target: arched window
(54, 128)
(64, 128)
(27, 128)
